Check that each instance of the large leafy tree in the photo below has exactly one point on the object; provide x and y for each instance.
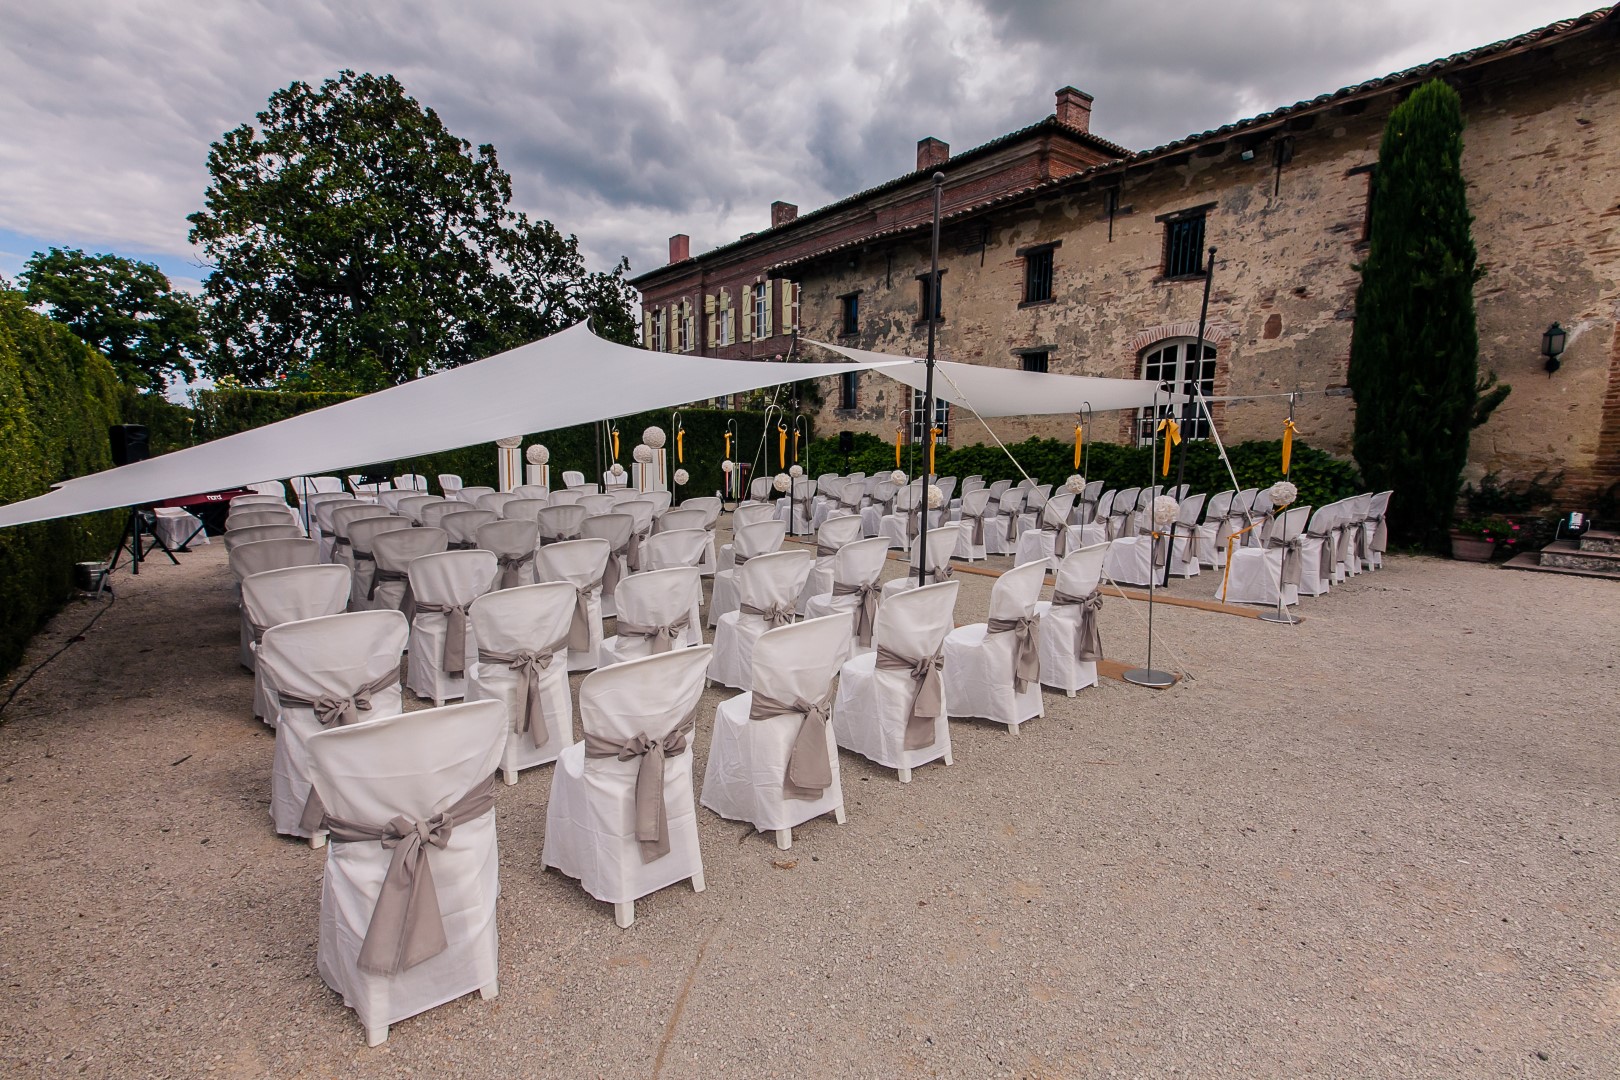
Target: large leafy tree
(1414, 359)
(122, 308)
(357, 243)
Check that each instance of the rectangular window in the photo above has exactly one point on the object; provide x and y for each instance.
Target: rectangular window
(1038, 276)
(927, 297)
(660, 330)
(681, 328)
(762, 311)
(725, 331)
(1184, 245)
(942, 419)
(1035, 360)
(1177, 363)
(849, 309)
(846, 390)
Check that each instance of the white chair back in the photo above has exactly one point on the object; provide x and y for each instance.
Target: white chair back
(915, 622)
(580, 562)
(559, 522)
(861, 562)
(660, 598)
(253, 534)
(449, 484)
(335, 655)
(461, 528)
(836, 532)
(773, 580)
(494, 500)
(532, 491)
(751, 514)
(1017, 591)
(273, 597)
(411, 482)
(798, 662)
(1081, 570)
(649, 696)
(598, 504)
(566, 497)
(412, 506)
(273, 554)
(678, 547)
(942, 541)
(529, 617)
(683, 518)
(524, 509)
(471, 495)
(513, 543)
(763, 538)
(572, 478)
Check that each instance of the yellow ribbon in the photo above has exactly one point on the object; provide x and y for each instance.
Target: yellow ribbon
(898, 432)
(680, 446)
(781, 445)
(1079, 436)
(795, 445)
(1172, 437)
(1288, 444)
(933, 436)
(728, 446)
(1226, 574)
(615, 444)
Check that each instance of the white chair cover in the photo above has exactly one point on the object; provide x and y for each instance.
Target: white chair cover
(401, 773)
(1070, 643)
(572, 478)
(887, 711)
(1377, 529)
(560, 522)
(342, 518)
(768, 588)
(638, 718)
(514, 542)
(1186, 548)
(683, 518)
(855, 588)
(524, 509)
(522, 662)
(1255, 574)
(255, 557)
(659, 498)
(450, 485)
(582, 563)
(443, 644)
(598, 504)
(494, 500)
(1211, 531)
(177, 528)
(461, 527)
(983, 661)
(321, 507)
(567, 497)
(532, 491)
(433, 514)
(362, 538)
(834, 533)
(1097, 530)
(1048, 537)
(286, 595)
(658, 611)
(412, 505)
(471, 495)
(624, 543)
(253, 534)
(346, 667)
(942, 544)
(975, 513)
(393, 553)
(772, 758)
(249, 516)
(748, 542)
(1318, 549)
(745, 515)
(678, 547)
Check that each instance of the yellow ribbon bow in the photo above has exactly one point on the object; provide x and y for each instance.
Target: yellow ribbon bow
(728, 446)
(781, 445)
(898, 432)
(795, 445)
(680, 446)
(1288, 444)
(1172, 437)
(615, 444)
(1079, 436)
(933, 436)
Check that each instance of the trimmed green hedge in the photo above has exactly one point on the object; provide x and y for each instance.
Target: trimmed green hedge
(1320, 477)
(57, 399)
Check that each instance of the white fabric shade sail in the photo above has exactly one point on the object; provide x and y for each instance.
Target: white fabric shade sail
(993, 391)
(573, 377)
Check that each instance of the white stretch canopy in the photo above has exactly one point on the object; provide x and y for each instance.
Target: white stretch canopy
(573, 377)
(991, 391)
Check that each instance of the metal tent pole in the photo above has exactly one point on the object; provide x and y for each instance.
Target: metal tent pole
(928, 388)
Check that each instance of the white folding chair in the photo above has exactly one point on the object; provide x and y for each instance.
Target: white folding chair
(494, 500)
(342, 518)
(621, 817)
(411, 506)
(1070, 644)
(273, 597)
(834, 533)
(624, 544)
(891, 706)
(682, 518)
(855, 588)
(943, 541)
(581, 563)
(974, 514)
(443, 645)
(772, 758)
(658, 611)
(253, 534)
(1186, 540)
(255, 557)
(409, 799)
(559, 522)
(1254, 575)
(992, 670)
(449, 485)
(745, 515)
(1047, 537)
(768, 587)
(337, 669)
(461, 527)
(362, 538)
(748, 542)
(522, 662)
(471, 495)
(393, 553)
(532, 492)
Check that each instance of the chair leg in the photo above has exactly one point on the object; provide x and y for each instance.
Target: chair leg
(490, 992)
(624, 914)
(510, 775)
(376, 1036)
(698, 882)
(318, 840)
(1013, 728)
(905, 776)
(949, 760)
(784, 839)
(839, 815)
(1069, 692)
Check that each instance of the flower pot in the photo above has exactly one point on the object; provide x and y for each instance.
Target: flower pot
(1472, 548)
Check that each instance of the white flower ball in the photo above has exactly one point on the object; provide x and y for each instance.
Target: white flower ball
(537, 454)
(1075, 483)
(681, 477)
(782, 482)
(617, 470)
(1283, 494)
(642, 453)
(936, 497)
(795, 472)
(897, 476)
(511, 442)
(728, 465)
(653, 437)
(1165, 509)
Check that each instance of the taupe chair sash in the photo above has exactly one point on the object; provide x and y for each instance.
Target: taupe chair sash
(1026, 648)
(510, 566)
(579, 630)
(1088, 641)
(612, 575)
(346, 709)
(406, 925)
(461, 545)
(1380, 539)
(407, 603)
(652, 819)
(531, 708)
(1060, 536)
(809, 766)
(454, 660)
(1293, 564)
(663, 637)
(774, 614)
(865, 608)
(824, 550)
(929, 702)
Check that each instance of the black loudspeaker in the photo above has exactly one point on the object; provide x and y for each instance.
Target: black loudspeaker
(846, 442)
(129, 443)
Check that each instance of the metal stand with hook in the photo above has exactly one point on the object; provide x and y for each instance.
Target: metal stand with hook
(1148, 675)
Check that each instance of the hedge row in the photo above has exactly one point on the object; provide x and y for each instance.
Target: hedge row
(57, 399)
(1320, 477)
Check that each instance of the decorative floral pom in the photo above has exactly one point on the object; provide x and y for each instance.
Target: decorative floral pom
(642, 453)
(936, 497)
(617, 469)
(795, 471)
(1165, 509)
(1075, 483)
(728, 465)
(782, 482)
(537, 454)
(654, 437)
(681, 477)
(1283, 494)
(897, 476)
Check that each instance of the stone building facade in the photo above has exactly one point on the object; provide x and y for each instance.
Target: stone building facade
(1097, 269)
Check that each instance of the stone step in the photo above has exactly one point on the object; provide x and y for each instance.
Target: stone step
(1568, 555)
(1531, 560)
(1600, 541)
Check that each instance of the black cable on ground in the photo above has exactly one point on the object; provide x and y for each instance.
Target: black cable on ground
(72, 641)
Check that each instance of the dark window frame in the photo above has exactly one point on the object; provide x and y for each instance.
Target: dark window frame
(923, 293)
(1185, 233)
(1040, 273)
(848, 388)
(849, 314)
(1039, 360)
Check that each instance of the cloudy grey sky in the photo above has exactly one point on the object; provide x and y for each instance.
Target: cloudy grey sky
(625, 121)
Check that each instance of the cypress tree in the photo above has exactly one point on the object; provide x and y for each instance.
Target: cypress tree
(1414, 359)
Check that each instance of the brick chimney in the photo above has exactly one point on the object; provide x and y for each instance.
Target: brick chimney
(1074, 108)
(680, 248)
(931, 152)
(782, 213)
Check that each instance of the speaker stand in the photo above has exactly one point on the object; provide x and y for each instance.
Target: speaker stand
(131, 542)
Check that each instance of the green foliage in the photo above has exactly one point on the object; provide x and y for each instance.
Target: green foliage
(169, 426)
(357, 243)
(1320, 477)
(57, 399)
(1414, 358)
(1494, 497)
(124, 309)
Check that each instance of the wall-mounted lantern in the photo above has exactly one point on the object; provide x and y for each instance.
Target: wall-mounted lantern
(1552, 347)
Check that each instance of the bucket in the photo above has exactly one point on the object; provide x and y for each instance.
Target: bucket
(89, 576)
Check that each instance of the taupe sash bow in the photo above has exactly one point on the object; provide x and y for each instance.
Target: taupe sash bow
(1324, 555)
(824, 551)
(978, 527)
(774, 614)
(929, 702)
(579, 630)
(1380, 540)
(663, 637)
(1360, 528)
(1087, 641)
(407, 601)
(455, 635)
(531, 707)
(406, 924)
(361, 556)
(1088, 516)
(1060, 536)
(461, 545)
(1026, 649)
(652, 820)
(1292, 563)
(331, 709)
(809, 766)
(510, 566)
(942, 574)
(1341, 549)
(341, 542)
(865, 608)
(632, 550)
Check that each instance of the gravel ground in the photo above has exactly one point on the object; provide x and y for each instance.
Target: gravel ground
(1380, 844)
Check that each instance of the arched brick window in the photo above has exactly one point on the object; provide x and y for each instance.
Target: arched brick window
(1180, 362)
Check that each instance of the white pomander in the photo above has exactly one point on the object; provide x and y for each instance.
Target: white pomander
(617, 470)
(897, 476)
(1283, 494)
(642, 453)
(537, 454)
(795, 472)
(1075, 483)
(1165, 509)
(936, 497)
(654, 437)
(782, 482)
(728, 466)
(681, 477)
